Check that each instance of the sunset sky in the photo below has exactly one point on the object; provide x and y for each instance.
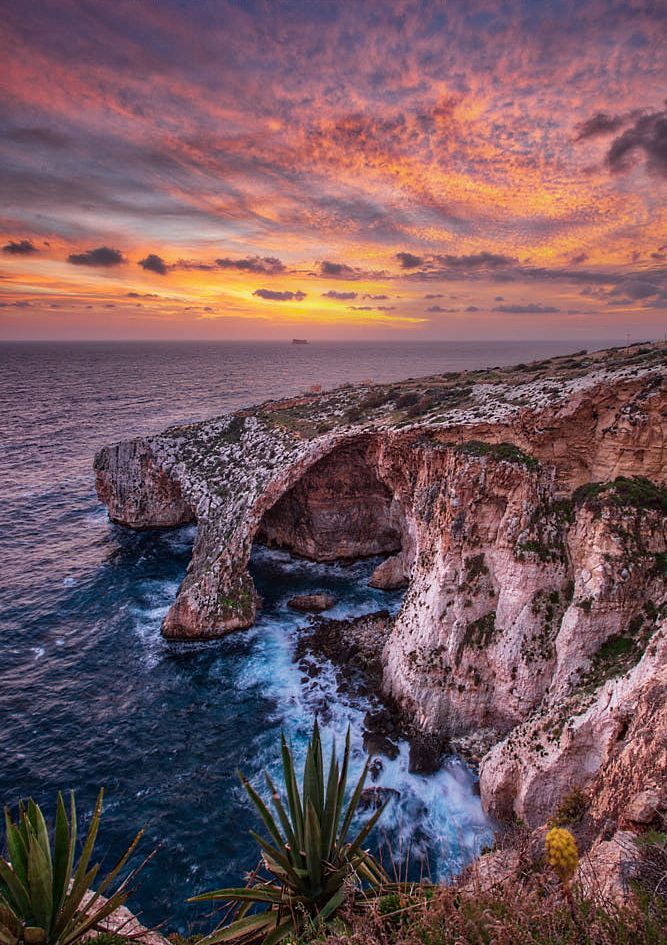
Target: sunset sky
(333, 169)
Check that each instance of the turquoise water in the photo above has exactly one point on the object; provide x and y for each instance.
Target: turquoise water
(91, 695)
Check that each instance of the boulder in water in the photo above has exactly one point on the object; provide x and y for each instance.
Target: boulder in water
(374, 797)
(426, 753)
(314, 603)
(377, 744)
(390, 574)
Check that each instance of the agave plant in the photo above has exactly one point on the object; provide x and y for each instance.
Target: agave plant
(310, 855)
(44, 898)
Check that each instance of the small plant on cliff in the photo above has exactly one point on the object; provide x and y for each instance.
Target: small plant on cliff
(570, 809)
(408, 399)
(503, 452)
(637, 492)
(44, 898)
(310, 855)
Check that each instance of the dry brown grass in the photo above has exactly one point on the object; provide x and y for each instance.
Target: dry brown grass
(526, 908)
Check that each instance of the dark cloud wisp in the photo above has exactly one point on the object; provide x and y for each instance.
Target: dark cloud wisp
(267, 265)
(409, 260)
(273, 296)
(449, 266)
(19, 248)
(647, 137)
(102, 256)
(531, 309)
(337, 270)
(154, 263)
(599, 124)
(483, 260)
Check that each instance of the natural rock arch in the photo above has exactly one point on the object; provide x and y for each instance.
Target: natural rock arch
(335, 501)
(340, 508)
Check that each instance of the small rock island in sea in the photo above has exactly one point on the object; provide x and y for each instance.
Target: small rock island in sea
(524, 510)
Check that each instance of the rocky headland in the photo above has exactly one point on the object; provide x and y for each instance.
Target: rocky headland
(522, 508)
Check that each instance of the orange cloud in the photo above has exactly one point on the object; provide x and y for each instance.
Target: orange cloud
(209, 147)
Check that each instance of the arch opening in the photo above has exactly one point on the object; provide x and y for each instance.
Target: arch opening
(340, 509)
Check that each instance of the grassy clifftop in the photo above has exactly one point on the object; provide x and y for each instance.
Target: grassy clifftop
(439, 398)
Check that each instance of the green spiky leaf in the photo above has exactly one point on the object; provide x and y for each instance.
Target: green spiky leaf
(44, 896)
(309, 856)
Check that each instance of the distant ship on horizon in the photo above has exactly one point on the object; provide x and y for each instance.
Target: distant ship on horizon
(299, 341)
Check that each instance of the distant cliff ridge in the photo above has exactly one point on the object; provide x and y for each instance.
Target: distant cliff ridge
(523, 508)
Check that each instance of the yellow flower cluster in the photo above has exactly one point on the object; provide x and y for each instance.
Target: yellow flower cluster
(562, 853)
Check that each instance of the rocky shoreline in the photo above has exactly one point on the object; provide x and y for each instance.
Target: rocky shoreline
(523, 508)
(354, 648)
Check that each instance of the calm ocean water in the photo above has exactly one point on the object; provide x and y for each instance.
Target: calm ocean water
(89, 692)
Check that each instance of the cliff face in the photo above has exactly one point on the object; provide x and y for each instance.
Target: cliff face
(138, 489)
(514, 593)
(471, 647)
(533, 612)
(590, 736)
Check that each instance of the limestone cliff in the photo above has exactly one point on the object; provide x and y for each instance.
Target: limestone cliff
(535, 604)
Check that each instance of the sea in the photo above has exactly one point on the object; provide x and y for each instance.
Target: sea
(90, 693)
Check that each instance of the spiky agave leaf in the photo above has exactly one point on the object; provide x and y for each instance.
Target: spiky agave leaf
(44, 898)
(308, 856)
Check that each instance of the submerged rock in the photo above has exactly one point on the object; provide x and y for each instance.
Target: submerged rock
(375, 769)
(376, 744)
(354, 644)
(426, 753)
(384, 721)
(374, 797)
(311, 602)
